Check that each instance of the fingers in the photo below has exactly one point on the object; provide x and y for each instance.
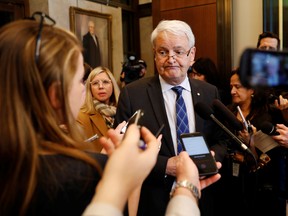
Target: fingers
(282, 103)
(150, 139)
(208, 181)
(115, 136)
(120, 126)
(107, 144)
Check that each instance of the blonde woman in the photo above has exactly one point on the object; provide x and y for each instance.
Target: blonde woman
(97, 113)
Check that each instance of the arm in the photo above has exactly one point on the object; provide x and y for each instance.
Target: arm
(118, 181)
(282, 104)
(282, 139)
(183, 201)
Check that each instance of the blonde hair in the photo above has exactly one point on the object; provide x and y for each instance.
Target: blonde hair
(88, 106)
(29, 124)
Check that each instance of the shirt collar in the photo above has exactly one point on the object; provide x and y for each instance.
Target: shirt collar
(165, 86)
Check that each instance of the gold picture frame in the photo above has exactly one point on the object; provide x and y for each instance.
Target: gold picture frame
(79, 19)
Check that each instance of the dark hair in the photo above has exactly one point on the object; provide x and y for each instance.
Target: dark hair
(268, 35)
(259, 102)
(208, 68)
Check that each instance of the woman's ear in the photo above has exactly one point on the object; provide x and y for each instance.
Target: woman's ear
(53, 95)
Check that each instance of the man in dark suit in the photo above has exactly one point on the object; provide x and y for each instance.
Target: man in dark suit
(173, 45)
(91, 52)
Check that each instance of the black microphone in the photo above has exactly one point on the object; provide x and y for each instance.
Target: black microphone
(219, 107)
(206, 112)
(269, 129)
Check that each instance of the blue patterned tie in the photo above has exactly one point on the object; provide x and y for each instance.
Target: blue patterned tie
(182, 119)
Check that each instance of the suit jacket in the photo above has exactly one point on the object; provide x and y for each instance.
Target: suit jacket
(91, 53)
(93, 124)
(146, 94)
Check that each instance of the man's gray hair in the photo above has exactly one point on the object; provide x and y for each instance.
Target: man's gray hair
(175, 27)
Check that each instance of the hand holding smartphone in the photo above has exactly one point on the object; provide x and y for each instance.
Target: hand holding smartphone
(196, 147)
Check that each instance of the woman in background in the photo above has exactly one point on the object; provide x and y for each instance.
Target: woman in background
(97, 113)
(206, 70)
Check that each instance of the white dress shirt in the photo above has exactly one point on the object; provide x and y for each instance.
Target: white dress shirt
(170, 105)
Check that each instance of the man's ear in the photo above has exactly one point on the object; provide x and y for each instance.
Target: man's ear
(53, 95)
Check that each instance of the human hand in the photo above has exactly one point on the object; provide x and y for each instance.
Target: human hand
(245, 136)
(171, 166)
(187, 170)
(113, 139)
(282, 104)
(282, 139)
(127, 167)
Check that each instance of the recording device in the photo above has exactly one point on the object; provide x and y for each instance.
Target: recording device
(206, 112)
(269, 129)
(135, 118)
(221, 110)
(132, 69)
(196, 147)
(263, 68)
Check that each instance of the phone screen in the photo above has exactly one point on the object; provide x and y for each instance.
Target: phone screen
(196, 147)
(264, 68)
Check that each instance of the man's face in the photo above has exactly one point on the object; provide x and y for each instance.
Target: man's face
(91, 27)
(173, 57)
(268, 44)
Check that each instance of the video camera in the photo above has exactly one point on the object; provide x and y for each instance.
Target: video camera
(132, 69)
(265, 70)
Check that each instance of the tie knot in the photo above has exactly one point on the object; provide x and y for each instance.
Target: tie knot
(178, 90)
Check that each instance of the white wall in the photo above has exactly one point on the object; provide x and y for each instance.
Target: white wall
(247, 24)
(59, 10)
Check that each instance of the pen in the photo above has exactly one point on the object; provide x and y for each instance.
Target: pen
(159, 130)
(142, 145)
(91, 139)
(243, 119)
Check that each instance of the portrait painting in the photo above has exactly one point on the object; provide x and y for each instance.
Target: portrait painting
(93, 29)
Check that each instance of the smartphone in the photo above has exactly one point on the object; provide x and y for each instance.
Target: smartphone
(135, 118)
(196, 147)
(264, 68)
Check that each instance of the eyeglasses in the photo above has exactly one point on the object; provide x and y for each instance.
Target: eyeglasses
(98, 83)
(178, 53)
(41, 17)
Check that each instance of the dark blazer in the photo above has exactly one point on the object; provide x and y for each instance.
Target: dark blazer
(65, 185)
(91, 53)
(146, 94)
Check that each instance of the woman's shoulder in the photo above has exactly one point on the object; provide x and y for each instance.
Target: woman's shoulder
(65, 185)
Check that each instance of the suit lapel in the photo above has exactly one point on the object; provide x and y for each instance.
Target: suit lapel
(197, 96)
(157, 102)
(99, 123)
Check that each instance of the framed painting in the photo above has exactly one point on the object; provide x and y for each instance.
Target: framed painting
(93, 29)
